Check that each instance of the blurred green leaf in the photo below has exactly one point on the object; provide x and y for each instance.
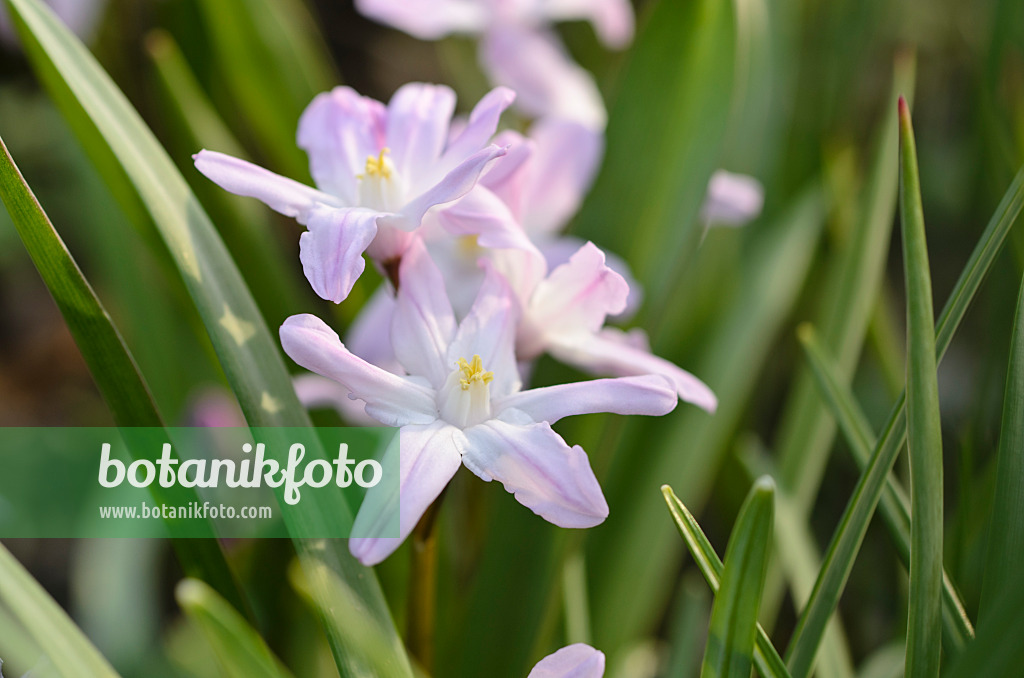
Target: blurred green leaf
(1005, 559)
(660, 155)
(248, 354)
(273, 61)
(766, 659)
(688, 444)
(997, 651)
(733, 628)
(850, 532)
(111, 364)
(924, 427)
(956, 626)
(42, 619)
(241, 651)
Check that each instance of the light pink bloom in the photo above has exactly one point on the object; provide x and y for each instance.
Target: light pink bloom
(379, 170)
(517, 47)
(732, 199)
(574, 661)
(459, 403)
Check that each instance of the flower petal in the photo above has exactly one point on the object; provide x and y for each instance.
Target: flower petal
(390, 399)
(533, 462)
(559, 250)
(650, 394)
(481, 213)
(577, 296)
(369, 335)
(560, 171)
(612, 19)
(489, 331)
(428, 459)
(339, 130)
(316, 392)
(427, 19)
(482, 124)
(732, 199)
(546, 80)
(423, 324)
(331, 251)
(614, 352)
(455, 184)
(417, 129)
(288, 197)
(574, 661)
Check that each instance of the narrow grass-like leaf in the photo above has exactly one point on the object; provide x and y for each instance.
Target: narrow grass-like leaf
(861, 507)
(240, 650)
(997, 651)
(924, 428)
(730, 647)
(850, 289)
(895, 503)
(248, 354)
(766, 659)
(659, 158)
(111, 364)
(691, 443)
(48, 626)
(1005, 559)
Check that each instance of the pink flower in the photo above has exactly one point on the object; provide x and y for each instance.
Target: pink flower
(574, 661)
(732, 199)
(378, 169)
(517, 47)
(459, 402)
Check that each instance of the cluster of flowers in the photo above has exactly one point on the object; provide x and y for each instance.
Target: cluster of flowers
(464, 222)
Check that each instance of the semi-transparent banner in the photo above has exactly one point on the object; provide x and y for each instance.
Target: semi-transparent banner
(196, 482)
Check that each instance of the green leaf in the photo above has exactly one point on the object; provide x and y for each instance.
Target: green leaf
(241, 651)
(853, 525)
(660, 157)
(766, 659)
(47, 625)
(730, 646)
(248, 355)
(924, 428)
(772, 272)
(1005, 558)
(956, 626)
(111, 364)
(997, 651)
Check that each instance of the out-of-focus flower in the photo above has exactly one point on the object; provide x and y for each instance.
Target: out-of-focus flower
(732, 199)
(517, 47)
(379, 169)
(459, 402)
(81, 16)
(574, 661)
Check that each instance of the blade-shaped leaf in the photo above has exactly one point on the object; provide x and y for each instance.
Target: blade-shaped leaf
(109, 360)
(730, 646)
(895, 503)
(766, 659)
(853, 525)
(248, 354)
(1005, 558)
(241, 651)
(48, 626)
(924, 428)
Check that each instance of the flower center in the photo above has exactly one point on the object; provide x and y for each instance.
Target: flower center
(465, 398)
(378, 187)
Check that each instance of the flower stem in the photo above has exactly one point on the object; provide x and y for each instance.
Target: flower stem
(423, 588)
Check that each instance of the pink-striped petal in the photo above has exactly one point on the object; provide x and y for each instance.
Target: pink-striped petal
(423, 324)
(574, 661)
(369, 335)
(482, 124)
(482, 214)
(427, 19)
(612, 19)
(288, 197)
(429, 457)
(390, 399)
(651, 394)
(417, 130)
(547, 476)
(339, 130)
(316, 392)
(331, 251)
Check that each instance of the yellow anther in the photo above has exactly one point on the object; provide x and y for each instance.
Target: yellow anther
(473, 371)
(377, 166)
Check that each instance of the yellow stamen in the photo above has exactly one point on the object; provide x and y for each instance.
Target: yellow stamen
(377, 166)
(473, 372)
